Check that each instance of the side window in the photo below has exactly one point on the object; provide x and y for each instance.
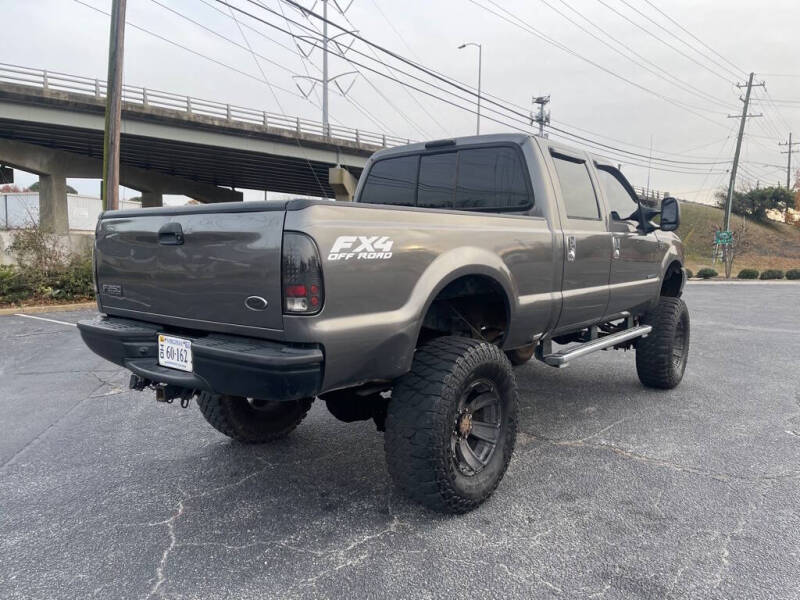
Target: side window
(491, 179)
(392, 181)
(437, 179)
(576, 188)
(619, 197)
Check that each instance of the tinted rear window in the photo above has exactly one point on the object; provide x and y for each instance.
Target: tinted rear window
(491, 178)
(485, 179)
(437, 179)
(392, 181)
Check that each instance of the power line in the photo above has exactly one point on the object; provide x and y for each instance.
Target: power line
(264, 76)
(521, 24)
(656, 68)
(685, 43)
(428, 70)
(739, 70)
(249, 49)
(405, 89)
(469, 109)
(190, 50)
(603, 147)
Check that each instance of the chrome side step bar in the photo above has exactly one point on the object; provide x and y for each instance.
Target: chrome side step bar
(561, 359)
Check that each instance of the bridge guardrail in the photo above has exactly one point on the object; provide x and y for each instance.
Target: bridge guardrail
(146, 97)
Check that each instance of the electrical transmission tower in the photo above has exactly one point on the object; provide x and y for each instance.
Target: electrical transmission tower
(326, 79)
(541, 117)
(789, 144)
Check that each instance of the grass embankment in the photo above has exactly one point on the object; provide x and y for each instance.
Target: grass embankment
(772, 245)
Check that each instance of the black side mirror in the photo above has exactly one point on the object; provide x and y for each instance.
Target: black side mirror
(670, 214)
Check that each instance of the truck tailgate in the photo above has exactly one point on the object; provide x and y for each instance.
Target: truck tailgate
(194, 263)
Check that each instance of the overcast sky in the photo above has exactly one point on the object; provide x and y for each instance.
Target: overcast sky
(682, 107)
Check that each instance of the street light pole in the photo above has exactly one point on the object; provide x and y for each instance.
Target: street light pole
(480, 68)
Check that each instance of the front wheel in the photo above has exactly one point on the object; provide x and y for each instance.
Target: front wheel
(452, 424)
(661, 356)
(250, 420)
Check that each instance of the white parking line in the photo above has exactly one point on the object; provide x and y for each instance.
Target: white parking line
(45, 319)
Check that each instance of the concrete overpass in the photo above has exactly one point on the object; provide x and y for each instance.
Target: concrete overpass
(52, 124)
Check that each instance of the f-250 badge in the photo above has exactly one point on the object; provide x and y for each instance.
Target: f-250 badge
(361, 247)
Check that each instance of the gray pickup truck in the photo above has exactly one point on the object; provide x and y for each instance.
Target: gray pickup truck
(409, 306)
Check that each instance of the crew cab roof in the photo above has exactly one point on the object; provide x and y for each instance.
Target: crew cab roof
(515, 138)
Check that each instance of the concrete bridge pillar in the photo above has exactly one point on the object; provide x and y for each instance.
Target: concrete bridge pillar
(53, 212)
(343, 183)
(152, 199)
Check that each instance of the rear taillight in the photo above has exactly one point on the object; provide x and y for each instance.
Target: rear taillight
(301, 271)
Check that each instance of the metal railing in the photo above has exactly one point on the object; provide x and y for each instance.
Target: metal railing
(649, 196)
(146, 97)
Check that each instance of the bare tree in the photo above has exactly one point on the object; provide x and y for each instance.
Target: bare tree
(740, 244)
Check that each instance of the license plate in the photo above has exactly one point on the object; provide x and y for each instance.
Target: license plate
(174, 352)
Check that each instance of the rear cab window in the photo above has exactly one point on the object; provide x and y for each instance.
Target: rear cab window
(392, 181)
(485, 179)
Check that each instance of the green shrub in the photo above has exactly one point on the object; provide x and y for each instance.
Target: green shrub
(793, 274)
(747, 274)
(707, 273)
(689, 274)
(44, 271)
(771, 274)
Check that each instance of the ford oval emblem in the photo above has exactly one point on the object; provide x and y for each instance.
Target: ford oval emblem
(256, 303)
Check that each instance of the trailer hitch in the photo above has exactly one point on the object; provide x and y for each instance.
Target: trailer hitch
(164, 392)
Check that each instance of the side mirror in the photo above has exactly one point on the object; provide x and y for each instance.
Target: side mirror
(670, 214)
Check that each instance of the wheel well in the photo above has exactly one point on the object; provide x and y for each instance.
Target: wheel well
(473, 306)
(673, 278)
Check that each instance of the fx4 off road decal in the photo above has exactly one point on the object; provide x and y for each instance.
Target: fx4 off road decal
(361, 247)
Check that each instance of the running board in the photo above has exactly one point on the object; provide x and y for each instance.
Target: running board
(561, 359)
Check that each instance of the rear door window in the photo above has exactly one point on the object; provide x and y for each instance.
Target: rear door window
(437, 180)
(392, 181)
(491, 179)
(577, 190)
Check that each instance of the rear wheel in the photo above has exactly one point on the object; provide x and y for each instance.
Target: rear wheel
(452, 424)
(250, 420)
(661, 356)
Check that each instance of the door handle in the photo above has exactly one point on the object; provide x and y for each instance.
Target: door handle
(571, 248)
(616, 247)
(170, 234)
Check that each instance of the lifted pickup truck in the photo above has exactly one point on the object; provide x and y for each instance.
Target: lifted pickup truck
(458, 259)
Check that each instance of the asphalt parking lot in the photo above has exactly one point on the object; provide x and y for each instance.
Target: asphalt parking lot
(614, 491)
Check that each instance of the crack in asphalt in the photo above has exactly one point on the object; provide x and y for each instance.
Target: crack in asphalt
(720, 476)
(160, 576)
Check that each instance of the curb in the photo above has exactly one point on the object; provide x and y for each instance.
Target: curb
(30, 310)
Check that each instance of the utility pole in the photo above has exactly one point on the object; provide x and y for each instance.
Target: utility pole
(789, 163)
(110, 189)
(541, 118)
(729, 200)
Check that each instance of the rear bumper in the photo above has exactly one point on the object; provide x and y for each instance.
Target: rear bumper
(223, 364)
